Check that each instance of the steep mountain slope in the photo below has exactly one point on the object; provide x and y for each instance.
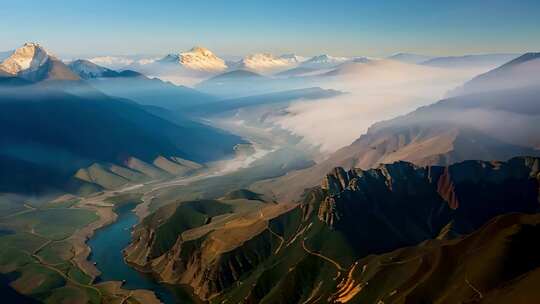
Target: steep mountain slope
(314, 252)
(520, 72)
(495, 264)
(89, 70)
(32, 62)
(62, 132)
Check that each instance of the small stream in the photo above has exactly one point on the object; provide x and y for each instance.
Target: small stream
(107, 245)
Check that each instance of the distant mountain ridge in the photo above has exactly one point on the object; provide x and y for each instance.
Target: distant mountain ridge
(520, 72)
(137, 87)
(88, 70)
(470, 61)
(55, 122)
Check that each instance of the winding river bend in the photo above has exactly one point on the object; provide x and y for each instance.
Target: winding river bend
(107, 245)
(108, 242)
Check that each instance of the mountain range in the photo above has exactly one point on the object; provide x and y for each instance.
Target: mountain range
(48, 117)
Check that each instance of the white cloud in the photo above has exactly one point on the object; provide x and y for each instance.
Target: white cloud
(379, 90)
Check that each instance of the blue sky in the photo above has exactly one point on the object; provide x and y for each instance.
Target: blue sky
(339, 27)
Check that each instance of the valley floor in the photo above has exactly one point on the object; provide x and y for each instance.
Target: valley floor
(69, 265)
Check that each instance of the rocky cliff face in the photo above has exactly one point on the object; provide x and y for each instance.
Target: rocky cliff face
(313, 252)
(472, 192)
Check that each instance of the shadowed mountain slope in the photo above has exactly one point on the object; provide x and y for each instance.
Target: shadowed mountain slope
(63, 132)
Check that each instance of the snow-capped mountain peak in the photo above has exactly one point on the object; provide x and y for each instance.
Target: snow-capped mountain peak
(32, 62)
(293, 58)
(327, 58)
(88, 68)
(324, 61)
(199, 51)
(198, 58)
(264, 62)
(27, 58)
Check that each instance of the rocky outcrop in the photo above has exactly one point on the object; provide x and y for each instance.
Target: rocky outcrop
(446, 188)
(316, 251)
(212, 247)
(463, 187)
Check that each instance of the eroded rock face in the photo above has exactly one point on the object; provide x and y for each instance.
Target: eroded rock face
(469, 192)
(352, 215)
(209, 257)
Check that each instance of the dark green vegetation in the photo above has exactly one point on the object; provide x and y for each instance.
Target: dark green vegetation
(39, 221)
(37, 256)
(338, 244)
(186, 215)
(243, 194)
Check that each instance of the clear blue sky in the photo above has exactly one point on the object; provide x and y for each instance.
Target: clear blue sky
(340, 27)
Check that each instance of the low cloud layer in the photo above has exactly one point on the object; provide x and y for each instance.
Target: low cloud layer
(377, 91)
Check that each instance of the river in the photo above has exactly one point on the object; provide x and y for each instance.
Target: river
(108, 242)
(107, 245)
